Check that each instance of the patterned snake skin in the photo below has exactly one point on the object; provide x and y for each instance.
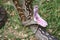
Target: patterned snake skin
(26, 6)
(3, 16)
(20, 10)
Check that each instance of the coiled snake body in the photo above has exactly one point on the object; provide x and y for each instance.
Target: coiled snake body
(25, 11)
(3, 16)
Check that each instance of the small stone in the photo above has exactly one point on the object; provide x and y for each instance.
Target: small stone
(50, 30)
(16, 27)
(25, 35)
(58, 33)
(0, 35)
(48, 0)
(12, 13)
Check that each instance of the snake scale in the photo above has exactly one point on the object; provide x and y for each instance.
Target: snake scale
(26, 5)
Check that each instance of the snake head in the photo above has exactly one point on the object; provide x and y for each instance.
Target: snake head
(40, 21)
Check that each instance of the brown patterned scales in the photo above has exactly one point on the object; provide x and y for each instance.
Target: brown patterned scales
(29, 8)
(24, 7)
(20, 10)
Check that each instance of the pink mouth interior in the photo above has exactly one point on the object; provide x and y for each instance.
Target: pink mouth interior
(38, 19)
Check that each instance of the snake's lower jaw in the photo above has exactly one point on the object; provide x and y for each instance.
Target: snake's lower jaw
(29, 22)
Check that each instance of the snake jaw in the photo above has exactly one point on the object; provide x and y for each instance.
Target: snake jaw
(39, 19)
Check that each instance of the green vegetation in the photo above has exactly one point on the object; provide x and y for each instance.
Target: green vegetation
(48, 10)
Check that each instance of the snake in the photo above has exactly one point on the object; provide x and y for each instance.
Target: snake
(3, 16)
(26, 5)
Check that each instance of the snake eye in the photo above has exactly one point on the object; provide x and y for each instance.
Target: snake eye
(3, 16)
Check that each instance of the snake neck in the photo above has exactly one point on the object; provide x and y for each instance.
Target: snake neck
(20, 10)
(24, 9)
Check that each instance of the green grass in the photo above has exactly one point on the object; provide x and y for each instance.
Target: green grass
(48, 10)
